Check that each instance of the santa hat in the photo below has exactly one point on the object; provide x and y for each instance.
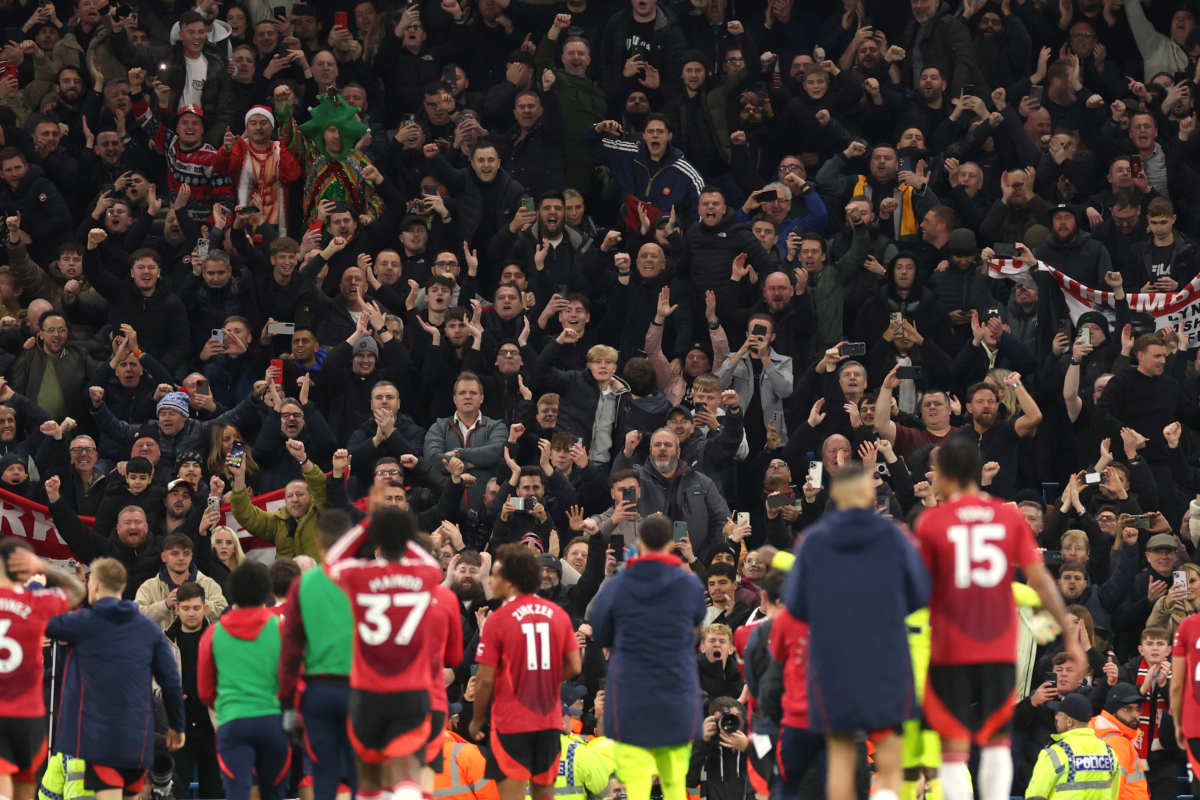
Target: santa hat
(261, 111)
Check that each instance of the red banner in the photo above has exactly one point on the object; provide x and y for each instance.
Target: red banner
(20, 517)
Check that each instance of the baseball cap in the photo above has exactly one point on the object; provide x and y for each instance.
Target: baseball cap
(1075, 706)
(179, 483)
(552, 561)
(687, 412)
(1121, 695)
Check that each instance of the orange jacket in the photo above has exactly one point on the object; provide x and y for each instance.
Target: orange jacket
(1119, 737)
(461, 777)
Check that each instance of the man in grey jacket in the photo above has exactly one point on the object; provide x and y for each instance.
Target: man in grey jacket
(475, 439)
(772, 384)
(671, 487)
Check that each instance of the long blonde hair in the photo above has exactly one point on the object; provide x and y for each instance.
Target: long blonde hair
(238, 556)
(1007, 395)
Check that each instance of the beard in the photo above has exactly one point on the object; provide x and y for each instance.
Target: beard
(467, 592)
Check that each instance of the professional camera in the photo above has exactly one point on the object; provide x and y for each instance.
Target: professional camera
(729, 721)
(162, 772)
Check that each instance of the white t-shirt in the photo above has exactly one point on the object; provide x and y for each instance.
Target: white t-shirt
(193, 84)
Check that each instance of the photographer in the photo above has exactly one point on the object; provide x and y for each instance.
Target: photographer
(719, 757)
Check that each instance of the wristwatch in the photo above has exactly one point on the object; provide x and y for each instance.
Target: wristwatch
(714, 324)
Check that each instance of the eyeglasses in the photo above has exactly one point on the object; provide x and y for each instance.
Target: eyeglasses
(1106, 518)
(414, 28)
(54, 330)
(790, 167)
(735, 61)
(509, 353)
(445, 264)
(83, 450)
(386, 473)
(295, 415)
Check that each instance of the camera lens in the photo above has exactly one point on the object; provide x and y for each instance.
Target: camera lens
(729, 723)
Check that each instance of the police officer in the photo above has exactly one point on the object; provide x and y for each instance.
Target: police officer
(1078, 764)
(582, 770)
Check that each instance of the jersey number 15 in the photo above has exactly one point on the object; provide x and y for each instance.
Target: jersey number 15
(977, 560)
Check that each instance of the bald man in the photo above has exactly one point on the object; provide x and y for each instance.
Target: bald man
(650, 276)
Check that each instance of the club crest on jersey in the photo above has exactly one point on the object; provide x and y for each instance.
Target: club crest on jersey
(1092, 763)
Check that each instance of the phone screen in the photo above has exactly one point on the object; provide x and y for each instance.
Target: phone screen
(236, 453)
(617, 541)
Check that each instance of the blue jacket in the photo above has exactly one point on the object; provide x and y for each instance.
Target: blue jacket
(671, 182)
(859, 670)
(107, 711)
(648, 614)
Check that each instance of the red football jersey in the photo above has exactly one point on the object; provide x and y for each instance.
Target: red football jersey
(1187, 645)
(789, 646)
(972, 547)
(525, 641)
(389, 601)
(445, 643)
(24, 615)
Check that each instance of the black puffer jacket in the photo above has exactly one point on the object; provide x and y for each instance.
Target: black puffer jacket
(45, 215)
(708, 255)
(211, 307)
(463, 185)
(160, 319)
(141, 563)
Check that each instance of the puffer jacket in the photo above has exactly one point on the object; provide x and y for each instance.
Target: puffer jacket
(141, 563)
(45, 215)
(464, 186)
(1083, 258)
(700, 504)
(107, 716)
(209, 308)
(192, 439)
(289, 536)
(160, 319)
(152, 596)
(709, 251)
(578, 395)
(647, 614)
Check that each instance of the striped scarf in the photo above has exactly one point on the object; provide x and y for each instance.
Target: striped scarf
(1147, 739)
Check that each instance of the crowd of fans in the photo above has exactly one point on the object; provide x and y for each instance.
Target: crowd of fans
(539, 271)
